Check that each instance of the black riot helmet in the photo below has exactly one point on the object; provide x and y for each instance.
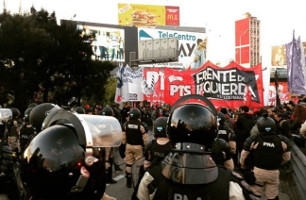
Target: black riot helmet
(39, 113)
(79, 110)
(31, 105)
(160, 127)
(26, 114)
(192, 127)
(134, 114)
(221, 118)
(220, 151)
(16, 113)
(63, 161)
(108, 111)
(266, 125)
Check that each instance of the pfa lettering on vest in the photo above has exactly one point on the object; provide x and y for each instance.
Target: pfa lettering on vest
(133, 126)
(268, 144)
(183, 197)
(222, 132)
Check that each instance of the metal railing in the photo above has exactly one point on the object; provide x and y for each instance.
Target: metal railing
(298, 162)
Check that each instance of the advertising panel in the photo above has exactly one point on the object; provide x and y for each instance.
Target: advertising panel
(172, 15)
(107, 43)
(187, 44)
(147, 15)
(278, 55)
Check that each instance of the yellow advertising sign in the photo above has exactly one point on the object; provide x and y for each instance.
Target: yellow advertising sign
(141, 15)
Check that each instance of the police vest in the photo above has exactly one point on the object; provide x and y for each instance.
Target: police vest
(26, 133)
(157, 152)
(166, 189)
(223, 134)
(268, 154)
(133, 133)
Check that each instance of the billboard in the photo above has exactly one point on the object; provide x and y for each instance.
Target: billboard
(108, 44)
(279, 57)
(147, 15)
(187, 44)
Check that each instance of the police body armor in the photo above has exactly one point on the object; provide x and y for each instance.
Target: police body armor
(223, 134)
(157, 152)
(214, 186)
(268, 154)
(133, 133)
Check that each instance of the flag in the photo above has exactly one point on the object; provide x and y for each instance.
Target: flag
(278, 103)
(296, 66)
(119, 76)
(128, 86)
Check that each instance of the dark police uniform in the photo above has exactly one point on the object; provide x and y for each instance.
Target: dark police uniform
(269, 151)
(206, 180)
(134, 131)
(26, 132)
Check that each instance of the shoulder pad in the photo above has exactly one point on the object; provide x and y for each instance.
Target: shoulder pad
(233, 137)
(249, 141)
(284, 138)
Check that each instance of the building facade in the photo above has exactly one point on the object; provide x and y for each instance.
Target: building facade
(247, 41)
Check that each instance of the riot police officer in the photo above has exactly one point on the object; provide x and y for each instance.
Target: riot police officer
(221, 154)
(109, 151)
(188, 171)
(266, 151)
(63, 161)
(136, 137)
(156, 150)
(227, 133)
(159, 147)
(26, 130)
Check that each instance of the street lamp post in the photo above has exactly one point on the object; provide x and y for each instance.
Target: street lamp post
(240, 43)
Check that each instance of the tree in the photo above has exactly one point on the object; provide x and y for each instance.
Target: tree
(41, 61)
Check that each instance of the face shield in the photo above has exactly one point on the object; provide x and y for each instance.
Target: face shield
(93, 131)
(71, 143)
(101, 131)
(5, 114)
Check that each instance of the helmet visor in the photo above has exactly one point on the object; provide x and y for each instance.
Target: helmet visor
(5, 114)
(105, 130)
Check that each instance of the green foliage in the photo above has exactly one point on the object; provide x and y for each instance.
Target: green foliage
(41, 61)
(110, 90)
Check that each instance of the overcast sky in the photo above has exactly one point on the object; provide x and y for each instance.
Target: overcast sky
(278, 18)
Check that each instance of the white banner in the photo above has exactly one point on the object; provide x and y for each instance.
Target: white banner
(129, 83)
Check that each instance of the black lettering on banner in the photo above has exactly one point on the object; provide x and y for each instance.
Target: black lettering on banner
(133, 96)
(227, 84)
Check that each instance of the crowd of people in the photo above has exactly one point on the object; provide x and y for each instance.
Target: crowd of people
(195, 148)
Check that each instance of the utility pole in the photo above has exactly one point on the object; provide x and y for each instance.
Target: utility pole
(4, 6)
(20, 6)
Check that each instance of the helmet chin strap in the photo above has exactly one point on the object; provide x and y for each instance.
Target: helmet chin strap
(82, 180)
